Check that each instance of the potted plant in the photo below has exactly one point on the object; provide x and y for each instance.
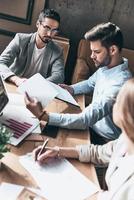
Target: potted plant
(5, 135)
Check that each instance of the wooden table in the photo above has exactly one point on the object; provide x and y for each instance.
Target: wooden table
(13, 172)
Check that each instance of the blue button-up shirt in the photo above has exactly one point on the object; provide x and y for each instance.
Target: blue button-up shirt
(105, 84)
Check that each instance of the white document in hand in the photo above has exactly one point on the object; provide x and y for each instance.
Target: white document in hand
(37, 86)
(59, 179)
(64, 95)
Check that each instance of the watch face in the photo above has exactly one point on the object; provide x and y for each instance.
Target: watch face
(3, 95)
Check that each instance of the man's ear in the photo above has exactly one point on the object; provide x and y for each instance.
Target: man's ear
(113, 49)
(37, 24)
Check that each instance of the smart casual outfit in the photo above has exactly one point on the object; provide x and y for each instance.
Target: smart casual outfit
(105, 84)
(24, 59)
(120, 172)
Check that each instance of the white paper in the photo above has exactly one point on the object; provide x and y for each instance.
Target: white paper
(64, 94)
(37, 86)
(16, 99)
(59, 179)
(10, 191)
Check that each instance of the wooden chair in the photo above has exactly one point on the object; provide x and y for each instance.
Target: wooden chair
(64, 43)
(129, 54)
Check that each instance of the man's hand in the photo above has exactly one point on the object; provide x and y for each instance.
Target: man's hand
(33, 105)
(68, 88)
(16, 80)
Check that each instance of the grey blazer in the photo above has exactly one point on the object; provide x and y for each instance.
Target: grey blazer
(16, 58)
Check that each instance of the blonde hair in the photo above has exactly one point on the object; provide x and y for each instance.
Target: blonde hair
(126, 108)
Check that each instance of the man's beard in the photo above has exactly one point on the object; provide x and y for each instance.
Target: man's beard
(45, 39)
(105, 62)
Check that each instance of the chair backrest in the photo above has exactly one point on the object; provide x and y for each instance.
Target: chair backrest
(64, 43)
(84, 66)
(129, 54)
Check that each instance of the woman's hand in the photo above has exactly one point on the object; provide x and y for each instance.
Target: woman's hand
(52, 152)
(49, 153)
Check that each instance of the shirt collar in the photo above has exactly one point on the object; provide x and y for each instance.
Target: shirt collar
(122, 66)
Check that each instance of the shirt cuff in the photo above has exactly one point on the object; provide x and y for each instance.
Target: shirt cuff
(74, 92)
(83, 152)
(7, 75)
(54, 119)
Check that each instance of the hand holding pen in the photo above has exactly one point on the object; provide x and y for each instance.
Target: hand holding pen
(41, 149)
(43, 154)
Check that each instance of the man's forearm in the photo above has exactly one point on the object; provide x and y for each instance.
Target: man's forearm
(12, 79)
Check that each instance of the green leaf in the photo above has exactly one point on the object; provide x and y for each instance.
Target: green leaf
(5, 135)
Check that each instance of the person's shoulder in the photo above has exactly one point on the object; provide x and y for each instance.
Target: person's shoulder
(23, 36)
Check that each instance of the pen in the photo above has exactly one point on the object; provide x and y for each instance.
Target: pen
(43, 147)
(28, 97)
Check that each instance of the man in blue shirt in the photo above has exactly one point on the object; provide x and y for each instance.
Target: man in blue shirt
(106, 42)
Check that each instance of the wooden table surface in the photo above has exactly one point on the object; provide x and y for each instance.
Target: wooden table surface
(13, 172)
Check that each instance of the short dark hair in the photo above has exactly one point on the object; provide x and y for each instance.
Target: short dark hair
(49, 13)
(108, 33)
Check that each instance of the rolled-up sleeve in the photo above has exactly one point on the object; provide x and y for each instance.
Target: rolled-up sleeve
(97, 154)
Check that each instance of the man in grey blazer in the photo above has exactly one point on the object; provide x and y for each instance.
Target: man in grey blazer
(32, 53)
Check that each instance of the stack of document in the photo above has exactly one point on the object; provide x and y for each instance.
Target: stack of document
(18, 119)
(59, 179)
(45, 91)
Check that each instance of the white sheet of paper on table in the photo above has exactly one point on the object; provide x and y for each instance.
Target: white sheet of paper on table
(59, 179)
(9, 191)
